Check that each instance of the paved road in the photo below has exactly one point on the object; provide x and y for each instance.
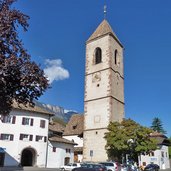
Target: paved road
(27, 169)
(41, 169)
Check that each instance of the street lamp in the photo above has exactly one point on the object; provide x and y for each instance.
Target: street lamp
(131, 143)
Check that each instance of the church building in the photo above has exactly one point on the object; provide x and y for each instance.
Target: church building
(104, 90)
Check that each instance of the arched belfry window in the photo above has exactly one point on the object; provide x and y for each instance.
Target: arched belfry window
(116, 57)
(98, 55)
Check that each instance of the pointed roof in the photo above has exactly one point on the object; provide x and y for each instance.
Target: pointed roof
(103, 29)
(75, 125)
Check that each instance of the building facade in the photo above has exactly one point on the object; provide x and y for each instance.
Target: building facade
(74, 133)
(159, 156)
(104, 89)
(60, 150)
(24, 137)
(27, 139)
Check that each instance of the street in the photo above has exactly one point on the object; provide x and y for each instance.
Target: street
(27, 169)
(42, 169)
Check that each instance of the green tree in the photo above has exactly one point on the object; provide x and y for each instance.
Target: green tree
(157, 125)
(170, 149)
(20, 79)
(128, 137)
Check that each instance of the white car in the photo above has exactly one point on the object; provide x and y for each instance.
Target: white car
(111, 166)
(70, 166)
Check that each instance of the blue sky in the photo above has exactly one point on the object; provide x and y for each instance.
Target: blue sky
(56, 39)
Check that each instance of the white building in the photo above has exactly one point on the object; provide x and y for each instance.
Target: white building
(60, 150)
(23, 137)
(159, 156)
(24, 140)
(74, 132)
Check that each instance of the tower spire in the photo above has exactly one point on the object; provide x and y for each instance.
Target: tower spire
(105, 11)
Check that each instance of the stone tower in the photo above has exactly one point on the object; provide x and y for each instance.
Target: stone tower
(104, 89)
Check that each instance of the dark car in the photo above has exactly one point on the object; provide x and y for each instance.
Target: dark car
(152, 167)
(90, 167)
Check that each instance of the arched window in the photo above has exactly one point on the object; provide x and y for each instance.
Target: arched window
(115, 57)
(98, 56)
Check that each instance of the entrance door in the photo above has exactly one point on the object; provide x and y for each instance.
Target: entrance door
(27, 157)
(2, 157)
(67, 160)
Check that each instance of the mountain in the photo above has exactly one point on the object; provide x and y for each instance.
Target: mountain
(59, 112)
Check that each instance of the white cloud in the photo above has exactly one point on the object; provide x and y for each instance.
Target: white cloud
(55, 71)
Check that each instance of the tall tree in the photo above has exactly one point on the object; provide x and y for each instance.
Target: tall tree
(20, 79)
(170, 148)
(157, 125)
(128, 137)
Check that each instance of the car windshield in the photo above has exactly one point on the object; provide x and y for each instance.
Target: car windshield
(108, 164)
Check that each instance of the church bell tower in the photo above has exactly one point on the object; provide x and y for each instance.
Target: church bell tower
(104, 90)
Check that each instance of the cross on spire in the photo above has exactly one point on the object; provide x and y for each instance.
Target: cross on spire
(105, 11)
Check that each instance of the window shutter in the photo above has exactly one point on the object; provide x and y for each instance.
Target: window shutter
(23, 121)
(54, 149)
(31, 138)
(11, 137)
(3, 119)
(21, 136)
(31, 122)
(42, 123)
(45, 139)
(13, 119)
(36, 137)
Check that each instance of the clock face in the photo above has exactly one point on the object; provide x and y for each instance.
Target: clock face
(96, 77)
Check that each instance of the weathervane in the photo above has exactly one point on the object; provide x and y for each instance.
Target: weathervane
(105, 11)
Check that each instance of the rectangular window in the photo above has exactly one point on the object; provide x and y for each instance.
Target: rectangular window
(151, 153)
(8, 119)
(39, 138)
(27, 121)
(162, 154)
(42, 123)
(54, 149)
(7, 137)
(68, 150)
(26, 137)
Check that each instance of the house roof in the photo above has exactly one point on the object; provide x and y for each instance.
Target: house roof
(56, 127)
(61, 140)
(161, 139)
(103, 29)
(29, 108)
(75, 125)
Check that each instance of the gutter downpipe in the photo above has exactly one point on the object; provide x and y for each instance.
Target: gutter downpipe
(46, 160)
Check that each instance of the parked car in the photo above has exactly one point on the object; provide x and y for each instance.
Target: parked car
(152, 167)
(112, 166)
(90, 167)
(128, 167)
(70, 166)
